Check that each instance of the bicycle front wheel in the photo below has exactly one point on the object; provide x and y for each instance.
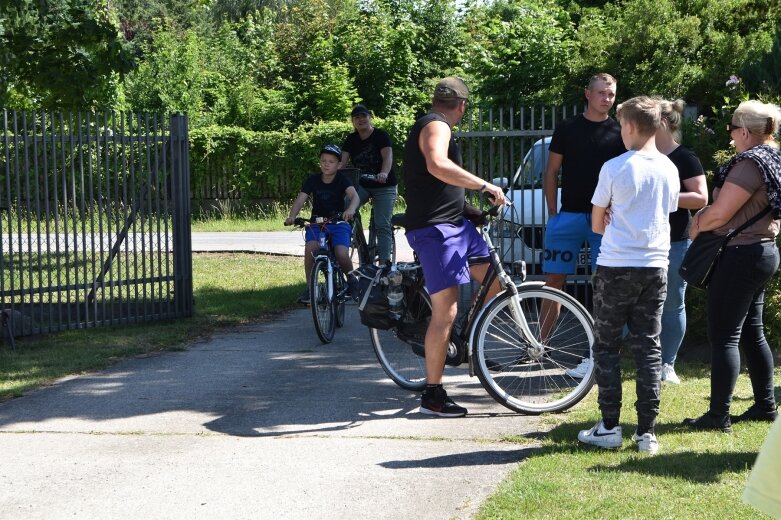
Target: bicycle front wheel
(322, 305)
(526, 367)
(340, 286)
(400, 350)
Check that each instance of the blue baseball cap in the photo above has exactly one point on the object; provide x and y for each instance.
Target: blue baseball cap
(333, 150)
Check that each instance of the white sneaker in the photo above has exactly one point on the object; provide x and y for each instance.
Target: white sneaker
(602, 437)
(580, 371)
(646, 443)
(669, 375)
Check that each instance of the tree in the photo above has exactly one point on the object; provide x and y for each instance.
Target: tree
(60, 54)
(172, 78)
(519, 50)
(397, 49)
(689, 51)
(308, 60)
(139, 20)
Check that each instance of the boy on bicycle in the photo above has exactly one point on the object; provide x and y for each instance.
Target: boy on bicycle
(639, 189)
(328, 190)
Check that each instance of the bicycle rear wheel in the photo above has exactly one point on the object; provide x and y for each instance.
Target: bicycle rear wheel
(400, 350)
(529, 374)
(322, 305)
(359, 251)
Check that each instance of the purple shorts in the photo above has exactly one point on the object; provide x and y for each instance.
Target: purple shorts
(445, 252)
(340, 233)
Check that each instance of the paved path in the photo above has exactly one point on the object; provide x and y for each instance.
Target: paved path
(261, 421)
(274, 242)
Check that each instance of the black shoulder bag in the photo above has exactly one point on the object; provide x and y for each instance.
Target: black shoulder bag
(704, 253)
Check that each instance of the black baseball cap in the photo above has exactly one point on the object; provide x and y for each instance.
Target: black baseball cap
(360, 109)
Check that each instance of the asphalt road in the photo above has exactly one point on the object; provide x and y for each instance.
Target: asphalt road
(273, 242)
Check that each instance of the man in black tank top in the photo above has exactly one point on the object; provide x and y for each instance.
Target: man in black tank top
(448, 246)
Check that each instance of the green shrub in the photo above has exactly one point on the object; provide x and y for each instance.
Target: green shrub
(273, 164)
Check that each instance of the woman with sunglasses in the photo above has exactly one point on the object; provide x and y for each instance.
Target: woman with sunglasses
(743, 187)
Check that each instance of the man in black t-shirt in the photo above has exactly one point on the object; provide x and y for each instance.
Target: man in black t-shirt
(448, 246)
(579, 147)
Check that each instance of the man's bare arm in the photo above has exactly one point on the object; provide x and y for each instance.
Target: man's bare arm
(550, 183)
(434, 141)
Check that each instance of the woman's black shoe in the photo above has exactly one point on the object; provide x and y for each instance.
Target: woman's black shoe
(755, 413)
(710, 422)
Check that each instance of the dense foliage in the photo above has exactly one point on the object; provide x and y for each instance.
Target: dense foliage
(266, 65)
(60, 53)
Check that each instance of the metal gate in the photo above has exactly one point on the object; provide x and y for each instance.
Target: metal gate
(509, 147)
(94, 220)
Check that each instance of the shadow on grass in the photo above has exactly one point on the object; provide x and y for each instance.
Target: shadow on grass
(694, 466)
(701, 468)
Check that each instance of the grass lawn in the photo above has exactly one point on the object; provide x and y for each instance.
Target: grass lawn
(694, 475)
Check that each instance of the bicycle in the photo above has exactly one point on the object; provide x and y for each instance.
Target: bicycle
(366, 249)
(327, 285)
(521, 366)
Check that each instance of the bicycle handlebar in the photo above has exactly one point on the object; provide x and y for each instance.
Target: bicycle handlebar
(304, 222)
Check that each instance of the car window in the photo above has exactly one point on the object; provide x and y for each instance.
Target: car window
(533, 168)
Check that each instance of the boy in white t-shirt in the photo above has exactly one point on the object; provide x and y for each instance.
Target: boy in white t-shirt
(636, 192)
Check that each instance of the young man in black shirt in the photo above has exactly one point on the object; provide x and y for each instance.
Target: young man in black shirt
(579, 147)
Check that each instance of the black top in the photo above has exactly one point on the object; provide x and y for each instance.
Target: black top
(327, 199)
(586, 146)
(365, 155)
(429, 200)
(688, 166)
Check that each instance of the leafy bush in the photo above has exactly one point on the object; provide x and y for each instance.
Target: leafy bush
(273, 164)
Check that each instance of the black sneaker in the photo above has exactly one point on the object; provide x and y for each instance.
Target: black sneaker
(353, 289)
(755, 413)
(304, 298)
(709, 421)
(436, 402)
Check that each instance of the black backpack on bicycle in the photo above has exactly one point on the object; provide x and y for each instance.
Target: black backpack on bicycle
(370, 290)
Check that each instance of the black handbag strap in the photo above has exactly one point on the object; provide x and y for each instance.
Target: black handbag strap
(729, 236)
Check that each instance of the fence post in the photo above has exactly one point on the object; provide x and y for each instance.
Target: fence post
(180, 199)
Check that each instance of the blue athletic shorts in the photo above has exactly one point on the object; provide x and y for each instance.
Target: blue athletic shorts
(340, 233)
(564, 239)
(445, 252)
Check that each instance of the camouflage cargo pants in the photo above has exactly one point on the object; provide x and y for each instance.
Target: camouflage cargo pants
(633, 296)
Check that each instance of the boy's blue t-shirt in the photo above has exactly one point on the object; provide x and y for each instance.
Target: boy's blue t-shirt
(327, 198)
(641, 189)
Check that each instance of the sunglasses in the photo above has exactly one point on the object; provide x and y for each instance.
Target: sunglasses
(731, 127)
